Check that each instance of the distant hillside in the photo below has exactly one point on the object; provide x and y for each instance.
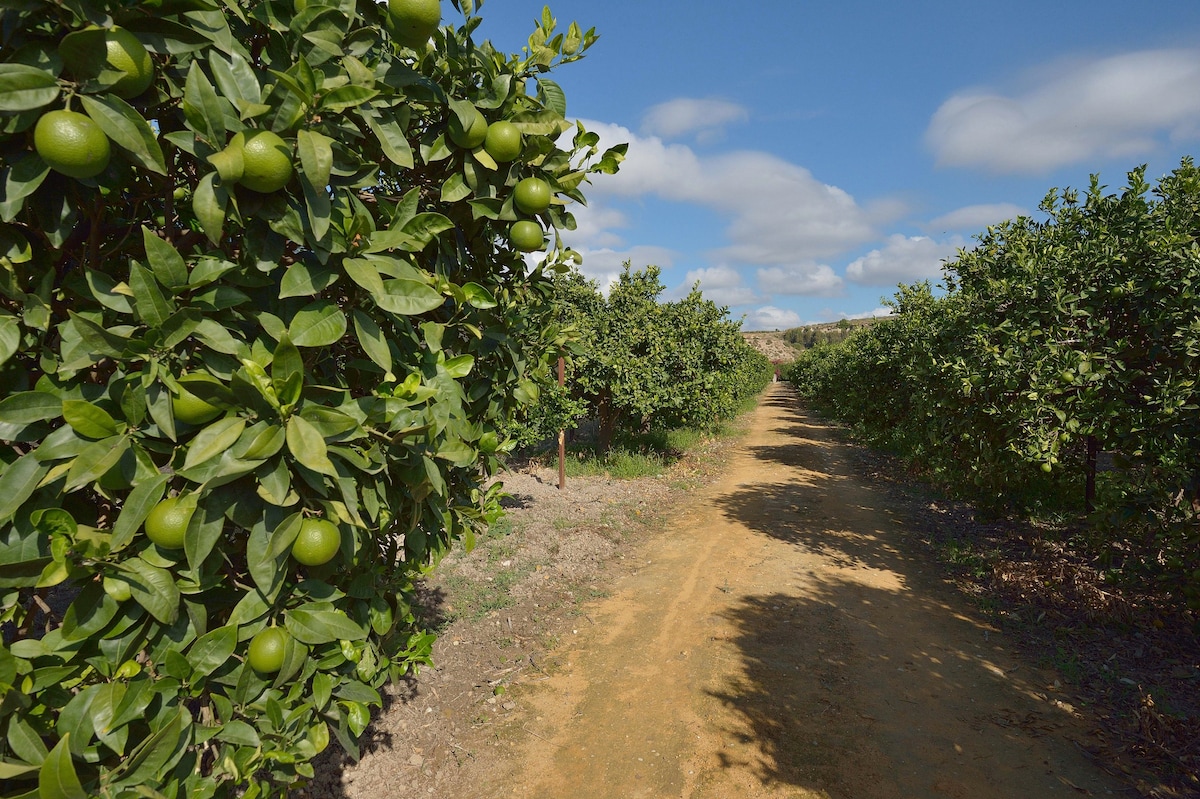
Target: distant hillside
(808, 336)
(773, 345)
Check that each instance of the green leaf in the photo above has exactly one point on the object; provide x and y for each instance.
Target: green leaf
(478, 296)
(235, 78)
(90, 421)
(321, 623)
(460, 366)
(217, 338)
(152, 306)
(24, 88)
(541, 123)
(302, 280)
(100, 340)
(18, 484)
(372, 340)
(318, 324)
(208, 203)
(553, 96)
(57, 778)
(364, 272)
(308, 446)
(168, 265)
(146, 763)
(409, 297)
(11, 770)
(27, 407)
(414, 236)
(455, 189)
(126, 128)
(392, 141)
(287, 366)
(153, 588)
(22, 178)
(265, 444)
(24, 741)
(212, 650)
(316, 156)
(202, 107)
(137, 507)
(214, 440)
(346, 97)
(266, 568)
(106, 291)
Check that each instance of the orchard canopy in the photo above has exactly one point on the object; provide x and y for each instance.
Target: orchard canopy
(263, 318)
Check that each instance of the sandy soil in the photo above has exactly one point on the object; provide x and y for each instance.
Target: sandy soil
(783, 636)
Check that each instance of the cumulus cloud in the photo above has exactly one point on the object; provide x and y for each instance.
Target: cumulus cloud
(903, 259)
(604, 265)
(975, 218)
(830, 315)
(800, 280)
(596, 227)
(777, 212)
(721, 284)
(769, 317)
(685, 116)
(1120, 106)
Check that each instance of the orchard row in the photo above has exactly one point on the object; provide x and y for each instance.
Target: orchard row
(1060, 369)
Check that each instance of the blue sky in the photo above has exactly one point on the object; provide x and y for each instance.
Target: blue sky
(801, 159)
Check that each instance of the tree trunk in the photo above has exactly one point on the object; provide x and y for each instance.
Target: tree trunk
(1089, 491)
(605, 434)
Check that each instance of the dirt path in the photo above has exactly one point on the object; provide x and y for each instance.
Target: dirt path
(781, 640)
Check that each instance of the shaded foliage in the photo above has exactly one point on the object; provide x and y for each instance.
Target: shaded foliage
(1059, 370)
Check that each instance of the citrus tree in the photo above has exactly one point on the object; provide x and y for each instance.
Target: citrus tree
(636, 362)
(1058, 341)
(265, 307)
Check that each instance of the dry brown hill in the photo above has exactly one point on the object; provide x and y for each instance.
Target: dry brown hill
(773, 345)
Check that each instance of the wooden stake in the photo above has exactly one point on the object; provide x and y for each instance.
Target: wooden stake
(562, 434)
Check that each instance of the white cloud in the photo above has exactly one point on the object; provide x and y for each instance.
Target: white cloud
(1115, 107)
(683, 116)
(903, 259)
(605, 265)
(777, 212)
(802, 280)
(975, 218)
(770, 318)
(874, 313)
(721, 284)
(595, 227)
(829, 315)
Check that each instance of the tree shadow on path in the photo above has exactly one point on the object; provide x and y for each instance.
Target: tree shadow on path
(862, 675)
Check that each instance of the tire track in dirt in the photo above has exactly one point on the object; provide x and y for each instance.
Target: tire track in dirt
(782, 639)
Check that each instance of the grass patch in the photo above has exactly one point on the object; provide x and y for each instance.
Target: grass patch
(619, 463)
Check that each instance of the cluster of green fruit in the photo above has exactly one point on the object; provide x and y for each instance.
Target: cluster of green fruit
(501, 140)
(70, 142)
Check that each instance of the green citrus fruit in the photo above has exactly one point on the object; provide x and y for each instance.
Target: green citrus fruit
(503, 141)
(317, 543)
(189, 408)
(532, 195)
(71, 143)
(267, 649)
(471, 136)
(266, 162)
(117, 588)
(128, 670)
(415, 20)
(87, 52)
(168, 522)
(526, 236)
(127, 54)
